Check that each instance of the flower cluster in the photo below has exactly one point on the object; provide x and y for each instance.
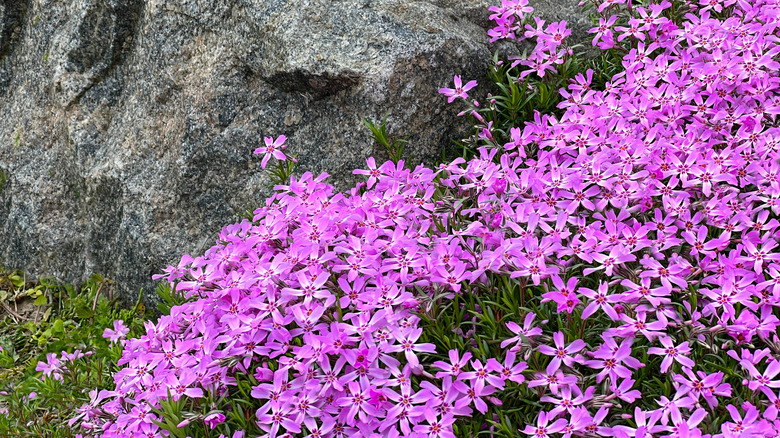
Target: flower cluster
(55, 367)
(646, 214)
(550, 49)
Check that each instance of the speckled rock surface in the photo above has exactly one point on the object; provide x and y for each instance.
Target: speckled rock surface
(127, 126)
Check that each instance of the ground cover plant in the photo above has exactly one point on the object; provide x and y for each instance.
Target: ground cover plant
(63, 325)
(604, 269)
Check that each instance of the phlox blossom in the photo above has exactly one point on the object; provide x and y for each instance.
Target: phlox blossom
(459, 90)
(272, 148)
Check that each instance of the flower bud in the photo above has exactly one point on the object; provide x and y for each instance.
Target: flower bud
(212, 420)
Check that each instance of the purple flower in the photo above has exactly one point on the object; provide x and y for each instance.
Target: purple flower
(508, 370)
(543, 429)
(527, 331)
(600, 300)
(672, 353)
(407, 344)
(118, 333)
(356, 405)
(436, 427)
(562, 353)
(273, 148)
(52, 367)
(459, 90)
(456, 365)
(212, 420)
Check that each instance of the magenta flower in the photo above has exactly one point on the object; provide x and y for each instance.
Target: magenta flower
(52, 367)
(758, 256)
(672, 353)
(273, 148)
(542, 428)
(614, 360)
(624, 392)
(212, 420)
(277, 392)
(562, 353)
(645, 424)
(639, 325)
(644, 292)
(318, 430)
(452, 277)
(569, 401)
(526, 331)
(763, 381)
(374, 173)
(773, 407)
(508, 370)
(459, 90)
(579, 420)
(278, 418)
(436, 427)
(407, 344)
(474, 396)
(456, 365)
(672, 274)
(617, 256)
(409, 401)
(746, 425)
(482, 376)
(180, 386)
(552, 378)
(356, 405)
(118, 333)
(600, 300)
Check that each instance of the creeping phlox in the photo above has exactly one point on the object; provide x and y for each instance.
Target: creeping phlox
(663, 188)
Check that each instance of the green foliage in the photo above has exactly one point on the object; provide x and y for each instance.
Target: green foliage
(170, 297)
(379, 133)
(43, 317)
(284, 170)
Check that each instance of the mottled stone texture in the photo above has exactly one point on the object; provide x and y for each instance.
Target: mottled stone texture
(127, 126)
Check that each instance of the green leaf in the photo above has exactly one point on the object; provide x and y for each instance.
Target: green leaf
(16, 280)
(58, 327)
(84, 312)
(40, 301)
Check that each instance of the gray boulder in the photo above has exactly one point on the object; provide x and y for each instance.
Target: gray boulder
(127, 126)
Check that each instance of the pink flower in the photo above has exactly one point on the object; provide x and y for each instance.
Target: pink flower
(542, 428)
(527, 331)
(212, 420)
(459, 90)
(562, 353)
(672, 353)
(456, 365)
(273, 148)
(118, 333)
(600, 300)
